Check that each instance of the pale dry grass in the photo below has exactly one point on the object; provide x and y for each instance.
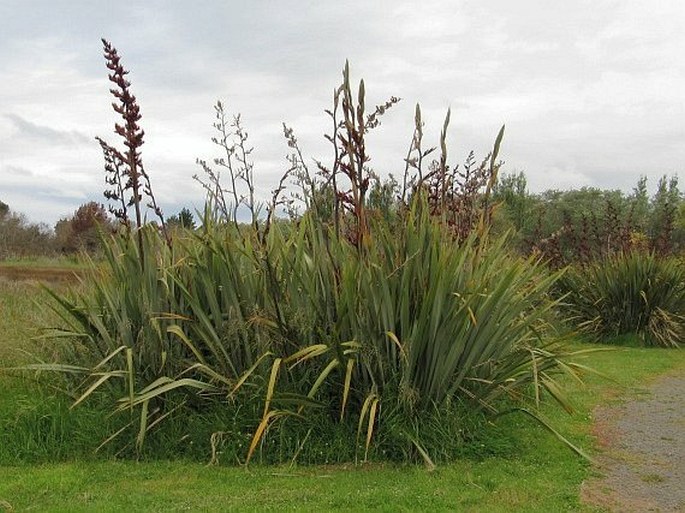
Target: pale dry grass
(24, 315)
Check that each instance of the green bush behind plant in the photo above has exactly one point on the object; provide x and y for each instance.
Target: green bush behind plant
(629, 293)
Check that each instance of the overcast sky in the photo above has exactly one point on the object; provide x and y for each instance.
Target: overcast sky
(591, 92)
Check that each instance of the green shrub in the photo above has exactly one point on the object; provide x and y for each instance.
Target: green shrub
(384, 341)
(636, 293)
(366, 325)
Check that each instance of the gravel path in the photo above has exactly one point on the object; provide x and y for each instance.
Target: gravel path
(642, 462)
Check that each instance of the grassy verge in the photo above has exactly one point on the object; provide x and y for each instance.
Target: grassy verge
(489, 485)
(52, 274)
(54, 270)
(20, 318)
(515, 467)
(58, 262)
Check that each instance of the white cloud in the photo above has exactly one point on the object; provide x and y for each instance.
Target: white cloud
(592, 92)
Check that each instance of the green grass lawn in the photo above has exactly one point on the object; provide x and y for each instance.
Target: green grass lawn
(519, 467)
(490, 485)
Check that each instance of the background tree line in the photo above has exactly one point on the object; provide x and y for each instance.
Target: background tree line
(81, 231)
(571, 226)
(565, 226)
(587, 223)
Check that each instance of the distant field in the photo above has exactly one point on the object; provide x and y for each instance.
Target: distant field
(62, 262)
(44, 270)
(43, 274)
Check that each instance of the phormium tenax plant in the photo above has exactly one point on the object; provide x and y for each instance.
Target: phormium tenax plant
(350, 318)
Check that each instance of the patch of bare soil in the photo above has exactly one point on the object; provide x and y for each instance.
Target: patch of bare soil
(642, 460)
(43, 274)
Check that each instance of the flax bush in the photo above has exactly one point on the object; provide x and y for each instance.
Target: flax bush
(635, 293)
(373, 331)
(303, 324)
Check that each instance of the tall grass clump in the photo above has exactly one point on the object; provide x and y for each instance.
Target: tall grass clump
(380, 319)
(635, 292)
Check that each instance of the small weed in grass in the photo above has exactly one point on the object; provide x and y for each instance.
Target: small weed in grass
(652, 478)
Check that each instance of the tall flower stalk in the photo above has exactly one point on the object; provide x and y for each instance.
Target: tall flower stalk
(125, 171)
